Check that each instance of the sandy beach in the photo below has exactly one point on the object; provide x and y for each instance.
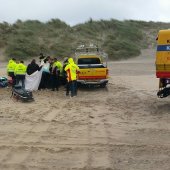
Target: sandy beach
(122, 127)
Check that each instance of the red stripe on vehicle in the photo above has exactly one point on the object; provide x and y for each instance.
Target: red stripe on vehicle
(92, 77)
(162, 74)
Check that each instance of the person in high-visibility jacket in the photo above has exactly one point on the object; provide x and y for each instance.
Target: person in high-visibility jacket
(55, 73)
(72, 70)
(10, 70)
(20, 72)
(64, 73)
(57, 64)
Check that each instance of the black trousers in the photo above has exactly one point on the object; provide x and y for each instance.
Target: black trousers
(55, 82)
(20, 78)
(44, 80)
(71, 86)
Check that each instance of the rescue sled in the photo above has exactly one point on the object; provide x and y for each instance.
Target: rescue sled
(3, 82)
(20, 93)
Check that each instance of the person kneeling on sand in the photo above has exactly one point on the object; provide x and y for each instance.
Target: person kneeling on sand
(10, 70)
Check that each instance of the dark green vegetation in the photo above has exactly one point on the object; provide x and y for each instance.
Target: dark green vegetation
(120, 39)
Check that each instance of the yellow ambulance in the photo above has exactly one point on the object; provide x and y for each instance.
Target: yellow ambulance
(93, 66)
(163, 62)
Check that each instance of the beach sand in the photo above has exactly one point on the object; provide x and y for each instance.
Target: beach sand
(121, 127)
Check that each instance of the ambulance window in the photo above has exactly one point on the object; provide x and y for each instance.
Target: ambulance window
(89, 61)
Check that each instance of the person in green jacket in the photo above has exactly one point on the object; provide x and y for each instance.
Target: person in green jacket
(10, 70)
(64, 73)
(57, 65)
(20, 72)
(55, 72)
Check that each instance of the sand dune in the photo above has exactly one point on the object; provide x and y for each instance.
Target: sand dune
(122, 127)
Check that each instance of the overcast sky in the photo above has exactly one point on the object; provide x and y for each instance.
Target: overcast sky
(79, 11)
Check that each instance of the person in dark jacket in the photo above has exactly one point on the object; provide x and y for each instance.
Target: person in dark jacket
(55, 75)
(33, 67)
(64, 73)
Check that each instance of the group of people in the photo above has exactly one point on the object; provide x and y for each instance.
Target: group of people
(53, 73)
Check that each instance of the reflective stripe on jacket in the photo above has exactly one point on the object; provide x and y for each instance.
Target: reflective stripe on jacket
(20, 69)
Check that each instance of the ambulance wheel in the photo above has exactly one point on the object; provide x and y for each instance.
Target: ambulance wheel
(103, 85)
(162, 82)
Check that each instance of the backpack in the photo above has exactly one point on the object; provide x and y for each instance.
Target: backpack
(3, 82)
